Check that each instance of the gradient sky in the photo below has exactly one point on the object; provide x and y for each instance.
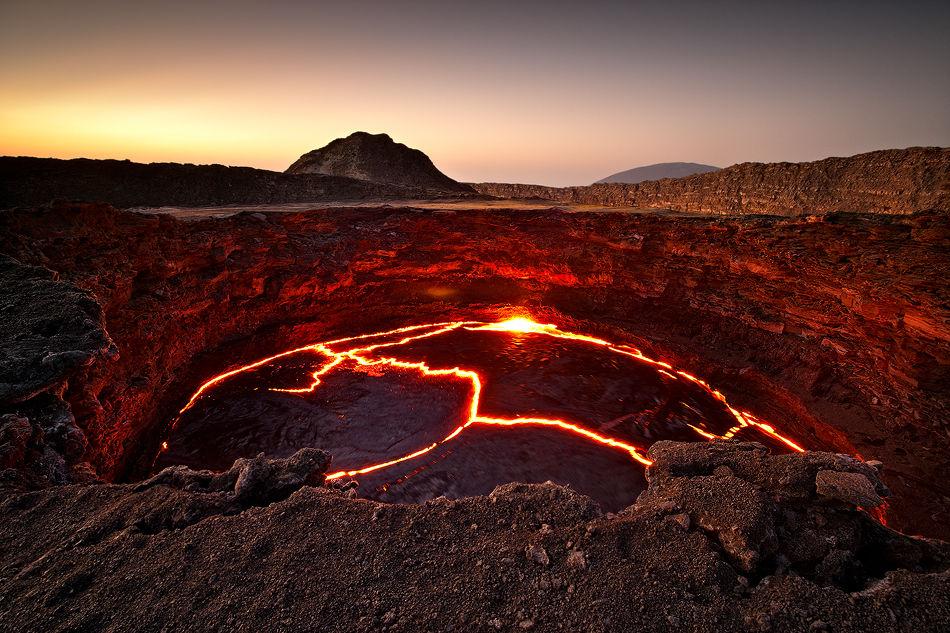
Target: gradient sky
(546, 92)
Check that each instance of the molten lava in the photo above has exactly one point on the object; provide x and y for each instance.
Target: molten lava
(361, 352)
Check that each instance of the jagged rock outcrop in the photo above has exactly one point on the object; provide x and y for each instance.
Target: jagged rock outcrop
(49, 331)
(726, 538)
(26, 181)
(762, 509)
(256, 481)
(376, 158)
(896, 181)
(853, 488)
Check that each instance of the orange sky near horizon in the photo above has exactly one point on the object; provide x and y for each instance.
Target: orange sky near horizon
(506, 94)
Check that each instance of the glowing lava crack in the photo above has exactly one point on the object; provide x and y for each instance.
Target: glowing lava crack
(364, 355)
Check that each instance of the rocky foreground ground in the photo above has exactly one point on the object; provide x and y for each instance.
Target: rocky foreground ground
(725, 538)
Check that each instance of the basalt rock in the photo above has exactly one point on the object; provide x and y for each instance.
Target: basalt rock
(853, 488)
(50, 330)
(896, 181)
(767, 512)
(761, 552)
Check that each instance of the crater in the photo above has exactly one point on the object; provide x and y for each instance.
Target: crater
(617, 330)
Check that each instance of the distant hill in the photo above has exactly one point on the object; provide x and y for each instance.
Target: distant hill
(376, 158)
(658, 172)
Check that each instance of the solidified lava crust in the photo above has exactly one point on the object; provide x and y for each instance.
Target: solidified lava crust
(547, 381)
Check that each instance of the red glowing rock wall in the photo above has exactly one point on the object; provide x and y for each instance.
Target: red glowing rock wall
(834, 328)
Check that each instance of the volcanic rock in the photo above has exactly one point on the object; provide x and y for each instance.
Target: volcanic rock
(576, 560)
(886, 181)
(376, 158)
(49, 330)
(853, 488)
(256, 481)
(35, 443)
(731, 490)
(537, 554)
(16, 434)
(162, 555)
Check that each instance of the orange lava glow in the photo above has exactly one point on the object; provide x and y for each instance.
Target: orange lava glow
(359, 356)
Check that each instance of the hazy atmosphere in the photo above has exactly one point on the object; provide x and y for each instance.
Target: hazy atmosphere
(551, 93)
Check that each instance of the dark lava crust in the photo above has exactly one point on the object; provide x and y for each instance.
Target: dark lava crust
(833, 328)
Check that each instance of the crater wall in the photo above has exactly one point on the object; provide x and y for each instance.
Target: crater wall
(834, 327)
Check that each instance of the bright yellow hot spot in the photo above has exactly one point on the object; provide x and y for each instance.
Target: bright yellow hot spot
(518, 324)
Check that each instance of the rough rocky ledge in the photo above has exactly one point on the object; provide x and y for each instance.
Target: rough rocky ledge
(49, 330)
(726, 537)
(893, 181)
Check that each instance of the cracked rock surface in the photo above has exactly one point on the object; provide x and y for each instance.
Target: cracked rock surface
(49, 331)
(726, 538)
